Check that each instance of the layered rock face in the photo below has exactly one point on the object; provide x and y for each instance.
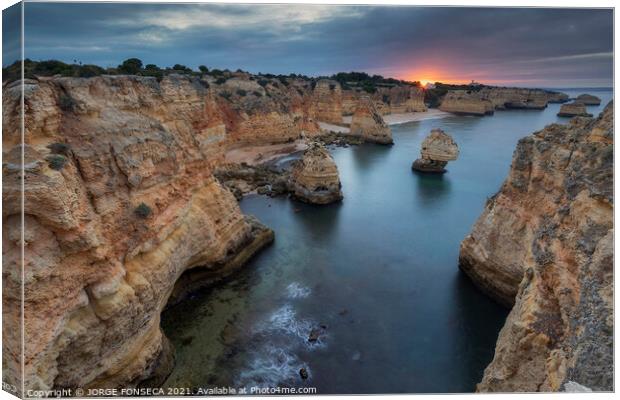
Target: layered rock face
(120, 201)
(488, 99)
(327, 101)
(437, 149)
(254, 114)
(464, 102)
(314, 178)
(544, 244)
(368, 124)
(574, 109)
(588, 100)
(387, 100)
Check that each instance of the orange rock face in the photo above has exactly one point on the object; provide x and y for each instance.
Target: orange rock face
(368, 124)
(327, 101)
(120, 201)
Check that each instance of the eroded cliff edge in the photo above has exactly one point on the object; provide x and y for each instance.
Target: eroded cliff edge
(120, 202)
(544, 244)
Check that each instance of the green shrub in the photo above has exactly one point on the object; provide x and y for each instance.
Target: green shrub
(263, 82)
(153, 70)
(241, 92)
(66, 102)
(226, 95)
(130, 66)
(220, 81)
(56, 161)
(142, 211)
(88, 71)
(203, 69)
(257, 93)
(59, 148)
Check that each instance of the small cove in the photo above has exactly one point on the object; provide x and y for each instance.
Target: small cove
(378, 271)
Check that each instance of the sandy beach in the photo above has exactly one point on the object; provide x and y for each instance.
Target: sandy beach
(396, 119)
(254, 155)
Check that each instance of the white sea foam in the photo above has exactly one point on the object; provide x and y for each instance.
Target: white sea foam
(271, 367)
(278, 338)
(297, 291)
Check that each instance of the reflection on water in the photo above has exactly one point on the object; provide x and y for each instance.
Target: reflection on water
(374, 278)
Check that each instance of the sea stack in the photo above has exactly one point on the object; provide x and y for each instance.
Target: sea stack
(544, 246)
(574, 109)
(368, 124)
(588, 100)
(437, 149)
(314, 178)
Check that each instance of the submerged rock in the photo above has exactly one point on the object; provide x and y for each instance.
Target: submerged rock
(368, 124)
(574, 109)
(588, 100)
(303, 373)
(544, 245)
(437, 149)
(314, 178)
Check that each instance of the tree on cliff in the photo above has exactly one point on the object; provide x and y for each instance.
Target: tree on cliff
(130, 66)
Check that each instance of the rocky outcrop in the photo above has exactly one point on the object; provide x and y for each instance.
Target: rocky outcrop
(486, 99)
(327, 101)
(314, 178)
(437, 149)
(368, 124)
(544, 245)
(467, 103)
(574, 109)
(120, 201)
(588, 100)
(519, 98)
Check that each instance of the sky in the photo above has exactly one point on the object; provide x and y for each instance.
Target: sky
(541, 47)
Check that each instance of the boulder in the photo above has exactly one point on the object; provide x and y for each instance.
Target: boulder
(574, 109)
(314, 178)
(368, 124)
(437, 149)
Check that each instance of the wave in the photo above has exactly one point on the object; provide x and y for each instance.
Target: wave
(297, 291)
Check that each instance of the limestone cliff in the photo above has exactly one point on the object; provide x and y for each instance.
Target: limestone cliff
(120, 201)
(327, 101)
(486, 99)
(314, 178)
(544, 245)
(466, 102)
(368, 124)
(387, 100)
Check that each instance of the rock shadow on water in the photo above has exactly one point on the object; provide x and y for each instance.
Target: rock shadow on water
(366, 155)
(432, 187)
(478, 322)
(321, 221)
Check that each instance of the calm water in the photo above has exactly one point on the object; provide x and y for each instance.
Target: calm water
(379, 271)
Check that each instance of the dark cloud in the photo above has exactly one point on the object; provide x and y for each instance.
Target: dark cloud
(553, 47)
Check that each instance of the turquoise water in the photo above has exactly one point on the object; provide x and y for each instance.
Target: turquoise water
(378, 271)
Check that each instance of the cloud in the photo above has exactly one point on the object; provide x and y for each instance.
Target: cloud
(491, 43)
